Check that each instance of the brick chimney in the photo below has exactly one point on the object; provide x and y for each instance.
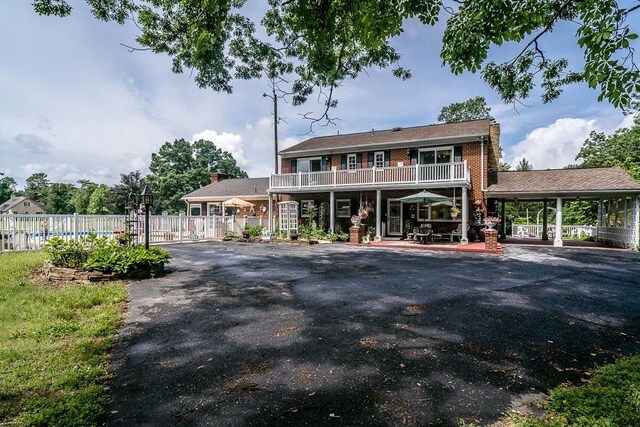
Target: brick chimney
(218, 176)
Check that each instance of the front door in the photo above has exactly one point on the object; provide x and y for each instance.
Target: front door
(394, 218)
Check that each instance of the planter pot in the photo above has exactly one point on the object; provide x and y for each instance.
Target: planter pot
(490, 224)
(454, 216)
(294, 237)
(356, 222)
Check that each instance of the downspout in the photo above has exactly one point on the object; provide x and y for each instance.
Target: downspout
(482, 164)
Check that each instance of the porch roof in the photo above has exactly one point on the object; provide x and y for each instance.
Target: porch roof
(588, 183)
(254, 188)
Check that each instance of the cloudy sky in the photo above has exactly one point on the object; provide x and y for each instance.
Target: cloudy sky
(76, 104)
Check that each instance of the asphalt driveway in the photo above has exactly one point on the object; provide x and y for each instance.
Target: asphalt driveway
(264, 334)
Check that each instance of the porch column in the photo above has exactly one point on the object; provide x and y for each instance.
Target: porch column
(503, 228)
(378, 215)
(270, 223)
(635, 227)
(545, 220)
(465, 216)
(332, 211)
(558, 240)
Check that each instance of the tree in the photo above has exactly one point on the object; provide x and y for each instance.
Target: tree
(7, 187)
(622, 148)
(181, 167)
(325, 42)
(82, 196)
(59, 198)
(524, 165)
(98, 201)
(126, 193)
(471, 109)
(37, 188)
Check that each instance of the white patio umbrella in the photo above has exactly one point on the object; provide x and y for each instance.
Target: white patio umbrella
(423, 197)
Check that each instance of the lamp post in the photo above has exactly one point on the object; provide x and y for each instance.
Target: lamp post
(147, 200)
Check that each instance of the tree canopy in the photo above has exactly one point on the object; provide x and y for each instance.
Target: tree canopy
(7, 187)
(180, 167)
(321, 43)
(471, 109)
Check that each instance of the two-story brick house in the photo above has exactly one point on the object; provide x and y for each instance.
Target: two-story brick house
(341, 172)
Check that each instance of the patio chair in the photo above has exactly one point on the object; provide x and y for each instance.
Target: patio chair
(457, 233)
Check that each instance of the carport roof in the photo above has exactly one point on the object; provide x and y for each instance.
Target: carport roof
(568, 183)
(255, 188)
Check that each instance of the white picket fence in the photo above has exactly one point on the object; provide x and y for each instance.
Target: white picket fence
(32, 232)
(568, 231)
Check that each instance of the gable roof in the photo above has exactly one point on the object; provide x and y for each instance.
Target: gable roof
(443, 131)
(9, 204)
(588, 182)
(227, 188)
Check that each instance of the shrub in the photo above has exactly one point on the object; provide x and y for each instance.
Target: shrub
(254, 230)
(107, 256)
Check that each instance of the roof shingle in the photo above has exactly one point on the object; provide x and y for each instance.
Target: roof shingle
(416, 133)
(233, 187)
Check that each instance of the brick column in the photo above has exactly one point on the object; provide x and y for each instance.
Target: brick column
(355, 234)
(490, 239)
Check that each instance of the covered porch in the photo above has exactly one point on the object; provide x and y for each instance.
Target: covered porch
(617, 195)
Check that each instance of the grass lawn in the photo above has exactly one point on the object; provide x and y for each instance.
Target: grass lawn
(54, 346)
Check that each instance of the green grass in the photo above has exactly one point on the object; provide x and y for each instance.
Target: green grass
(611, 398)
(54, 346)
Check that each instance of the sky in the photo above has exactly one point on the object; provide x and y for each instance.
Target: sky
(76, 104)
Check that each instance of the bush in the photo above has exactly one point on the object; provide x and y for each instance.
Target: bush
(254, 230)
(107, 256)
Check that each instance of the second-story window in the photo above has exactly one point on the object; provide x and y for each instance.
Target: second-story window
(436, 156)
(351, 161)
(378, 159)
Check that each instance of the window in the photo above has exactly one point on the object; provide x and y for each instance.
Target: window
(378, 159)
(194, 210)
(343, 208)
(215, 209)
(27, 204)
(351, 161)
(304, 208)
(310, 165)
(436, 156)
(424, 211)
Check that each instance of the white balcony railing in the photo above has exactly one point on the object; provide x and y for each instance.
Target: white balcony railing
(457, 172)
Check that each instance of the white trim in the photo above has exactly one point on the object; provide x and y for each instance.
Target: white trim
(219, 204)
(443, 148)
(401, 217)
(304, 203)
(223, 198)
(308, 159)
(418, 212)
(355, 162)
(195, 205)
(375, 160)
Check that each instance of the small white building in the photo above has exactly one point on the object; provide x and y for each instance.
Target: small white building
(21, 205)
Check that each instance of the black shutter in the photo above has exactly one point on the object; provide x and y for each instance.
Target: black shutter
(414, 156)
(370, 159)
(343, 162)
(323, 163)
(294, 166)
(359, 161)
(387, 158)
(457, 153)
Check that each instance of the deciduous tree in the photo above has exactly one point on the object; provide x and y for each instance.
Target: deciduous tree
(127, 192)
(7, 187)
(37, 188)
(471, 109)
(59, 198)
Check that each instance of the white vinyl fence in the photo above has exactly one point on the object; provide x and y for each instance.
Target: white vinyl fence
(568, 231)
(32, 232)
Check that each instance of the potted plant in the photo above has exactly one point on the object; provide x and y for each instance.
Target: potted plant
(245, 234)
(293, 235)
(356, 220)
(454, 211)
(491, 221)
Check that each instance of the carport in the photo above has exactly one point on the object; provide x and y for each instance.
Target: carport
(617, 193)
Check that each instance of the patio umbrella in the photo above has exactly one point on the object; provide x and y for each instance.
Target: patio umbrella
(424, 197)
(236, 202)
(443, 203)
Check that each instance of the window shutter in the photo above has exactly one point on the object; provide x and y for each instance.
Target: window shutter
(359, 161)
(414, 156)
(343, 162)
(323, 163)
(294, 166)
(370, 159)
(457, 153)
(387, 158)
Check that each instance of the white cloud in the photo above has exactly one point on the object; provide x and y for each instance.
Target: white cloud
(227, 142)
(553, 146)
(627, 122)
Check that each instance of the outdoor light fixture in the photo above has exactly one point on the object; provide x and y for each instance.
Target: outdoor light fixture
(147, 200)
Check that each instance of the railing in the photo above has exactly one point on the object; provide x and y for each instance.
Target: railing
(32, 232)
(568, 231)
(418, 174)
(614, 236)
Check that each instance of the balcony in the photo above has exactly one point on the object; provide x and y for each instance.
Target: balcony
(457, 173)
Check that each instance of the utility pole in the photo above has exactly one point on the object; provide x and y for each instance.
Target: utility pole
(274, 97)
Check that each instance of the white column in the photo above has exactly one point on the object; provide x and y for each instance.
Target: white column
(465, 217)
(558, 239)
(635, 227)
(332, 211)
(378, 215)
(270, 223)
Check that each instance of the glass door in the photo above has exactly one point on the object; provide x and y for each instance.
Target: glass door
(394, 218)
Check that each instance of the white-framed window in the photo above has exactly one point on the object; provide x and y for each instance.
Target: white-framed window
(195, 210)
(310, 164)
(424, 211)
(351, 161)
(214, 208)
(378, 159)
(304, 208)
(433, 156)
(343, 208)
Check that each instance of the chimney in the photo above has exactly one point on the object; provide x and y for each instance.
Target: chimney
(218, 176)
